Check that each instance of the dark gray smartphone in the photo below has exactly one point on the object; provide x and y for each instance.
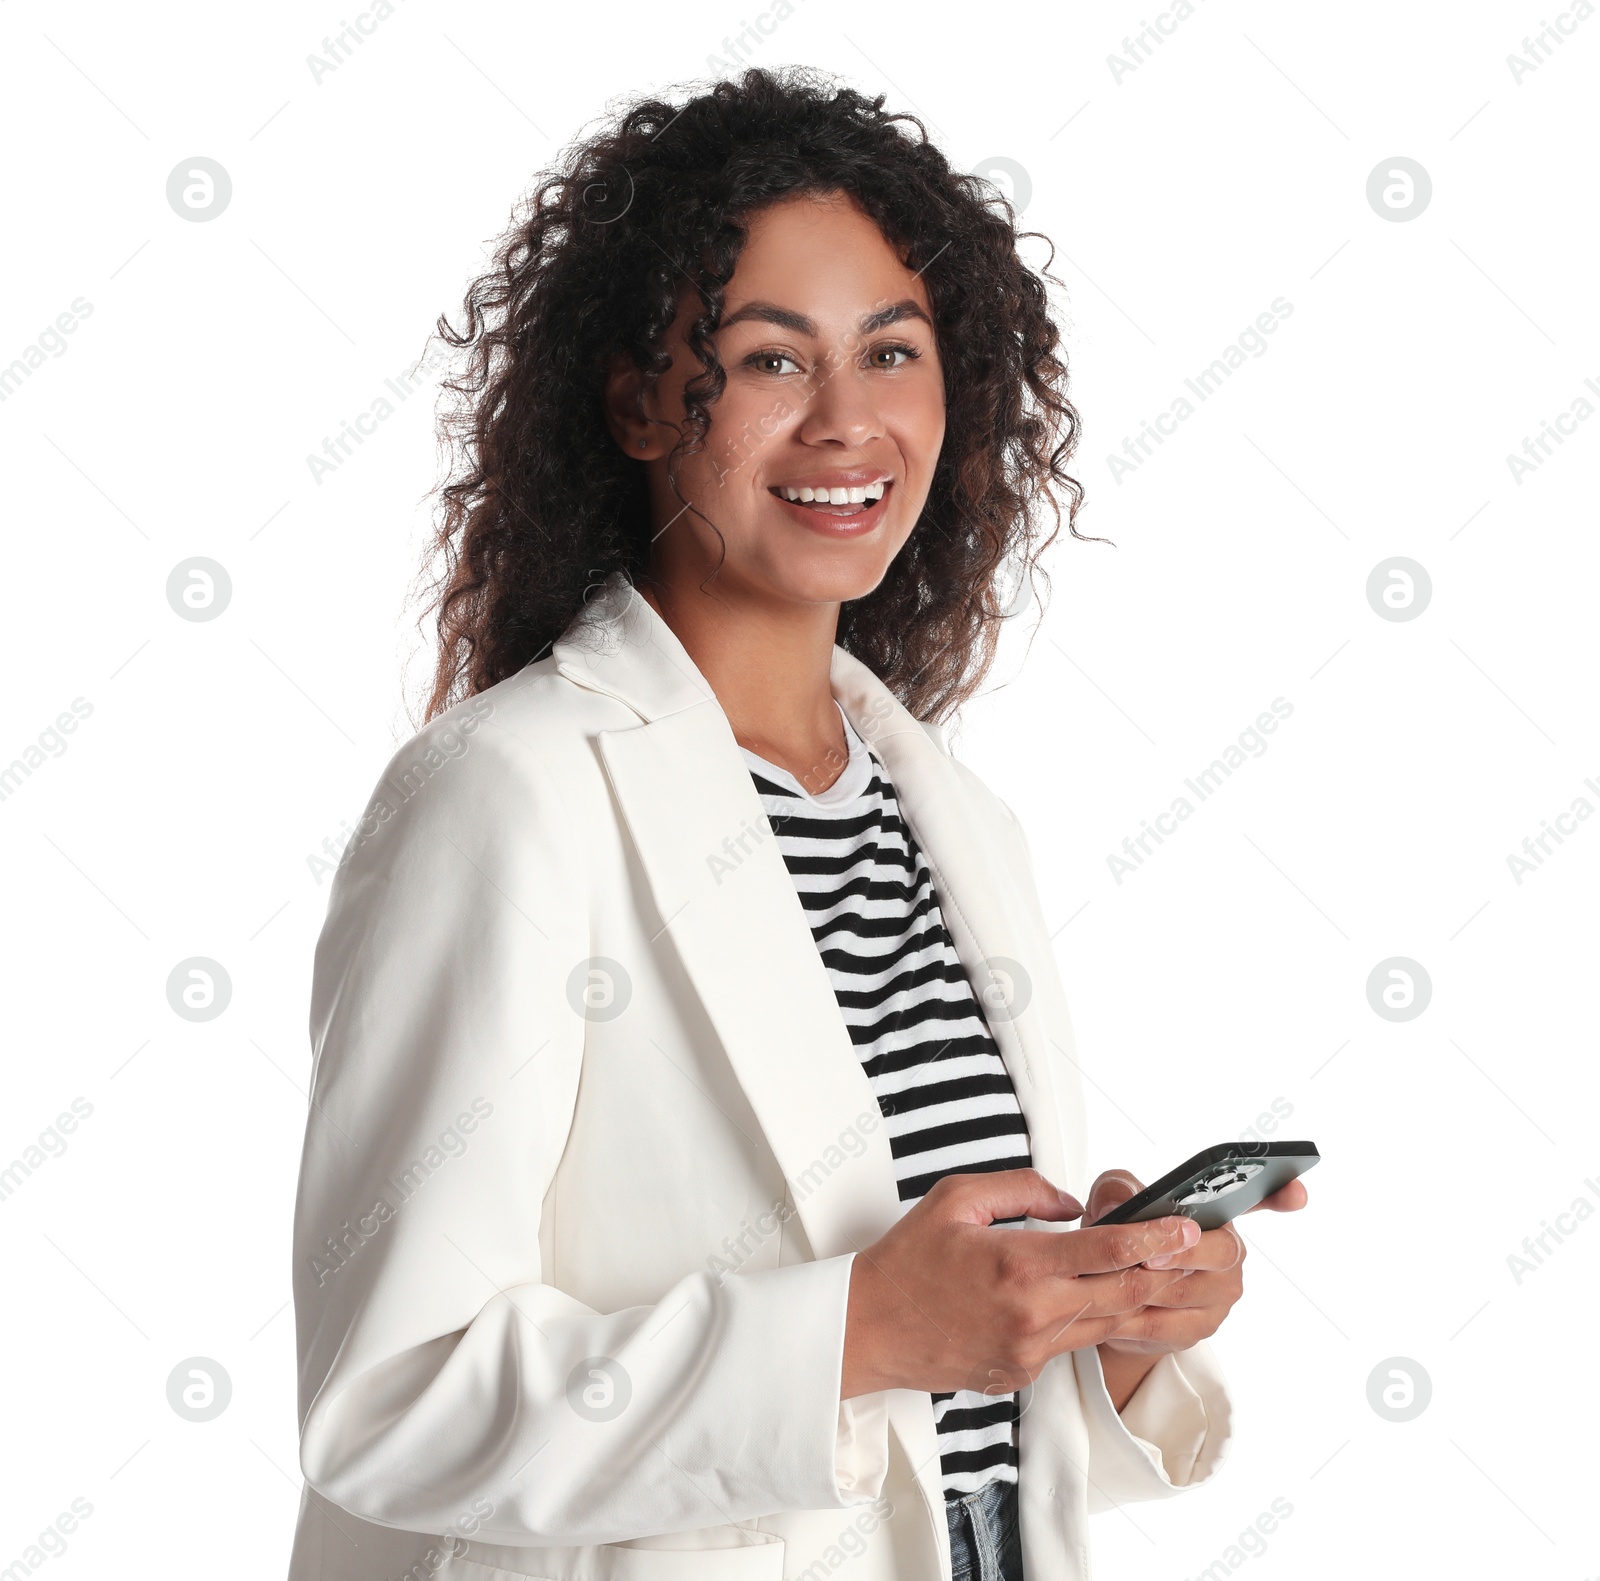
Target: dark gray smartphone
(1219, 1184)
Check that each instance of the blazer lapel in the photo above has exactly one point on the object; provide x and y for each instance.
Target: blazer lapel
(728, 906)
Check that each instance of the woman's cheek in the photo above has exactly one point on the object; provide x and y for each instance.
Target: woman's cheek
(917, 428)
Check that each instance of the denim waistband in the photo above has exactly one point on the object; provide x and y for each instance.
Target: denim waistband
(985, 1543)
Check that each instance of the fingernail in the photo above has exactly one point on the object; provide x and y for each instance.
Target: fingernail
(1191, 1233)
(1158, 1262)
(1068, 1200)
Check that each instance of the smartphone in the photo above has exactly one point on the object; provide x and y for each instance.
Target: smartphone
(1219, 1184)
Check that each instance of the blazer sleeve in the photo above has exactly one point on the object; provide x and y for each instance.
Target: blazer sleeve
(442, 1380)
(1172, 1435)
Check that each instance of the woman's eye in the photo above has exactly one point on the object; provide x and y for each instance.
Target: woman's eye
(895, 355)
(772, 362)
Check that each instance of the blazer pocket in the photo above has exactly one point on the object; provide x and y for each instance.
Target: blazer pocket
(758, 1559)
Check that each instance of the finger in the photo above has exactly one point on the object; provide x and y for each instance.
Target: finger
(1111, 1188)
(1201, 1287)
(1110, 1297)
(1003, 1194)
(1165, 1328)
(1286, 1199)
(1218, 1248)
(1105, 1248)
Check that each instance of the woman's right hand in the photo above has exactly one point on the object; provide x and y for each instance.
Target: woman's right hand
(945, 1301)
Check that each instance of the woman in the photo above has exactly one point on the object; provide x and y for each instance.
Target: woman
(693, 1082)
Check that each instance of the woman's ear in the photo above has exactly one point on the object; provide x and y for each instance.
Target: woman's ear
(626, 418)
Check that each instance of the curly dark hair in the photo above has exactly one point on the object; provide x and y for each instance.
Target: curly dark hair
(543, 504)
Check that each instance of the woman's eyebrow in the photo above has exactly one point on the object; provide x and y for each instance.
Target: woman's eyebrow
(800, 324)
(885, 316)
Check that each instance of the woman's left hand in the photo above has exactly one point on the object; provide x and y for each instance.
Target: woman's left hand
(1192, 1308)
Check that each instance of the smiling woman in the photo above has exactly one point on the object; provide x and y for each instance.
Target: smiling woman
(621, 263)
(760, 411)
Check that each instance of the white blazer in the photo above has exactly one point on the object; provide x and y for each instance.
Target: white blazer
(589, 1154)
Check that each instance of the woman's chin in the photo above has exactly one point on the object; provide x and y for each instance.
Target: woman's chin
(831, 589)
(830, 574)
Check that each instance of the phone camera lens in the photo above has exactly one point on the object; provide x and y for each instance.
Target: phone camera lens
(1219, 1182)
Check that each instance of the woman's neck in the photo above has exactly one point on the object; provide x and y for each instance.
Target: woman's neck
(768, 664)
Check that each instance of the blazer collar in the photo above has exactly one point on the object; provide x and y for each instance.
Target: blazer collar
(619, 646)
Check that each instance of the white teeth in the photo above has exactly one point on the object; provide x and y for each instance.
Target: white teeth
(868, 494)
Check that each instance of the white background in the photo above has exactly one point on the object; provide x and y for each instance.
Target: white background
(1228, 971)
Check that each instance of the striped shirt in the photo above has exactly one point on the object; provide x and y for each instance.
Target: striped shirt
(915, 1022)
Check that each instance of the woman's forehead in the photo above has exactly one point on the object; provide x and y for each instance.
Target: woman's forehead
(822, 259)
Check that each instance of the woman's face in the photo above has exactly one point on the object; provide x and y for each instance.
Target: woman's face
(834, 390)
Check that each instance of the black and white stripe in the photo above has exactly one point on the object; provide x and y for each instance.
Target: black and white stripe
(916, 1024)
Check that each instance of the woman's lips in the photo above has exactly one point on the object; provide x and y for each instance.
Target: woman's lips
(837, 521)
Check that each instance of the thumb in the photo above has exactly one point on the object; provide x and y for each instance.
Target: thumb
(1008, 1194)
(1110, 1190)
